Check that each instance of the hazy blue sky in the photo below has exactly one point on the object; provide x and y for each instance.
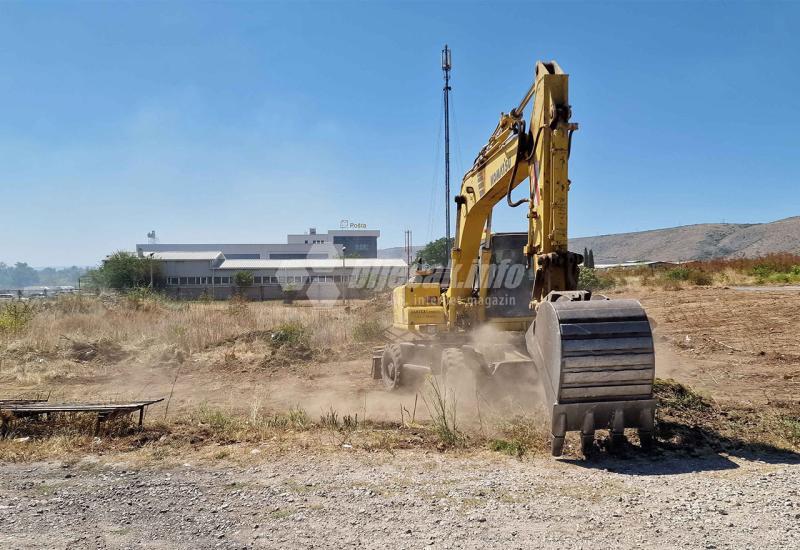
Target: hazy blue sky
(242, 122)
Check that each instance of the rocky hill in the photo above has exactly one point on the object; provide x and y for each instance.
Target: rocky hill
(695, 242)
(688, 242)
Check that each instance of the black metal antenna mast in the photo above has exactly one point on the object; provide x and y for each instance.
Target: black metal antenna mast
(446, 65)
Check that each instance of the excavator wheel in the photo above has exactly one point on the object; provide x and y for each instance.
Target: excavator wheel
(392, 367)
(616, 442)
(556, 445)
(587, 444)
(453, 364)
(646, 440)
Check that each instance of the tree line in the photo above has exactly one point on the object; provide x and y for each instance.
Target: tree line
(21, 275)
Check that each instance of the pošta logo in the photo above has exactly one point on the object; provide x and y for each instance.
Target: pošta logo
(347, 224)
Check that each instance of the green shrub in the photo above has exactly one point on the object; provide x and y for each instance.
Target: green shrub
(512, 448)
(291, 334)
(591, 279)
(14, 316)
(243, 279)
(122, 270)
(674, 395)
(143, 298)
(671, 279)
(700, 278)
(678, 274)
(368, 330)
(218, 419)
(762, 271)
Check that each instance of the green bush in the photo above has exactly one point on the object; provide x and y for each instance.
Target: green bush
(671, 278)
(769, 273)
(292, 334)
(590, 279)
(123, 270)
(14, 316)
(512, 448)
(700, 278)
(678, 274)
(368, 330)
(243, 279)
(143, 298)
(674, 395)
(762, 271)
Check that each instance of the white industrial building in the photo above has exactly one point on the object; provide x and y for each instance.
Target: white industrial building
(310, 265)
(352, 243)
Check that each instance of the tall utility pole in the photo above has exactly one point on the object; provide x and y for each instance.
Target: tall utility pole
(446, 65)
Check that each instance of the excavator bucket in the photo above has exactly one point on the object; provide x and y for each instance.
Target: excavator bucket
(596, 361)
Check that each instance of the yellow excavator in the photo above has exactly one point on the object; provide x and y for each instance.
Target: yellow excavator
(593, 356)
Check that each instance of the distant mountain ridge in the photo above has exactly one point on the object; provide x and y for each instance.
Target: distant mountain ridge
(687, 242)
(703, 241)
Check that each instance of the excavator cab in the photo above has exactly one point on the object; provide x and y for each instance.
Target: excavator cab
(510, 281)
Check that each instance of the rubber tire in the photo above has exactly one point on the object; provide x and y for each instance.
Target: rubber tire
(392, 367)
(557, 445)
(616, 442)
(587, 445)
(452, 362)
(646, 440)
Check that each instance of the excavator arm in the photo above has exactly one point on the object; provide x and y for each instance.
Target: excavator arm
(514, 153)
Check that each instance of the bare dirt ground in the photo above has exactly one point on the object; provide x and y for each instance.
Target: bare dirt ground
(735, 346)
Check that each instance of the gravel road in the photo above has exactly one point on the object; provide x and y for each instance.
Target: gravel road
(410, 500)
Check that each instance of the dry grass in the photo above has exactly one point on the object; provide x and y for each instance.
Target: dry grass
(62, 337)
(207, 433)
(770, 269)
(192, 326)
(686, 422)
(779, 263)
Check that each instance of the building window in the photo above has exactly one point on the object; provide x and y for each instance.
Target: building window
(172, 280)
(182, 281)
